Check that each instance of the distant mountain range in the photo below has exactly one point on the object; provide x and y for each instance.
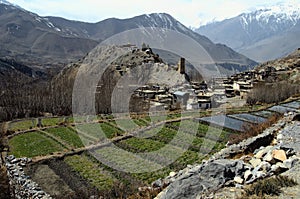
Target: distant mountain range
(35, 41)
(262, 35)
(41, 42)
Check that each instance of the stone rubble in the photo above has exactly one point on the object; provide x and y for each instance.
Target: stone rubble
(273, 158)
(21, 184)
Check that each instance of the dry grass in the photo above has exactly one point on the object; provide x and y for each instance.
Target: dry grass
(146, 194)
(271, 186)
(252, 130)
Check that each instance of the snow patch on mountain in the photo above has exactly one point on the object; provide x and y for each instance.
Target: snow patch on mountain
(5, 2)
(36, 17)
(165, 21)
(286, 14)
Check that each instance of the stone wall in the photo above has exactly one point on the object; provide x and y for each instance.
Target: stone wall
(261, 156)
(21, 184)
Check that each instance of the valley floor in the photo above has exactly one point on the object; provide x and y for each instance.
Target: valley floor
(60, 148)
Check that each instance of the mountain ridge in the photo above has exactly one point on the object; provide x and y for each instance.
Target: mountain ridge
(258, 34)
(43, 42)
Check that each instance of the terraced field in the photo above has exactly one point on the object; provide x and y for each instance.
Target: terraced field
(152, 154)
(23, 125)
(91, 171)
(67, 135)
(110, 130)
(33, 144)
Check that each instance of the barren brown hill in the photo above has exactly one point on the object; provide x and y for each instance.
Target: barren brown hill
(288, 68)
(34, 40)
(53, 42)
(289, 62)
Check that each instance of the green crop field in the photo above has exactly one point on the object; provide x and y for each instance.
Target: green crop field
(204, 139)
(22, 125)
(151, 132)
(158, 151)
(32, 123)
(52, 121)
(149, 177)
(126, 124)
(173, 116)
(165, 135)
(66, 134)
(33, 144)
(110, 131)
(141, 122)
(91, 171)
(93, 130)
(121, 159)
(140, 145)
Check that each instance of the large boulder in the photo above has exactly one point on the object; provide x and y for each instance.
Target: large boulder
(263, 151)
(209, 177)
(279, 155)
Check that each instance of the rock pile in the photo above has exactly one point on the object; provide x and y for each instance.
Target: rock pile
(22, 185)
(273, 157)
(191, 182)
(268, 161)
(209, 176)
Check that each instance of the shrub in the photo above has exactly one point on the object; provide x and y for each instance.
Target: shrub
(272, 92)
(146, 194)
(3, 138)
(270, 186)
(251, 130)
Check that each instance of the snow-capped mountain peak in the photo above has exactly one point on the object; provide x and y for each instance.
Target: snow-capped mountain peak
(264, 34)
(280, 13)
(5, 2)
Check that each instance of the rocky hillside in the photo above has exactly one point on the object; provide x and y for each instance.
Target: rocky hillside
(53, 41)
(33, 40)
(287, 63)
(265, 155)
(115, 67)
(109, 27)
(264, 34)
(288, 67)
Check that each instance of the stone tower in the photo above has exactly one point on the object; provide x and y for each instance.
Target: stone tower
(181, 65)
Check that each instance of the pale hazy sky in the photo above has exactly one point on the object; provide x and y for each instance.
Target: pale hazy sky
(191, 13)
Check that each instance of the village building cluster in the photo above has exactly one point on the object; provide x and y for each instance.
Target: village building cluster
(242, 83)
(201, 95)
(193, 95)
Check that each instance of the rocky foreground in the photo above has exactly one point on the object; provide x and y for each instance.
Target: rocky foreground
(275, 151)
